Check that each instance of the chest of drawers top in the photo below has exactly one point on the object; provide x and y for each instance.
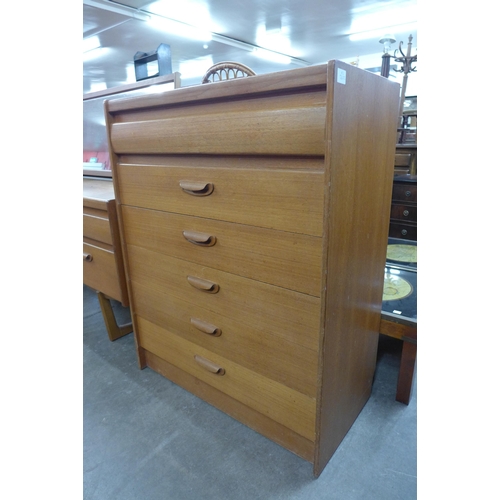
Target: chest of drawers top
(254, 216)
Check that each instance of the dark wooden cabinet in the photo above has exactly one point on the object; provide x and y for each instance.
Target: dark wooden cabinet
(404, 208)
(405, 161)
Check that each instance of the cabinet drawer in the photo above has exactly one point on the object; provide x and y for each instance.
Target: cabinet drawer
(256, 349)
(288, 200)
(100, 271)
(404, 212)
(282, 404)
(256, 126)
(404, 231)
(404, 192)
(285, 259)
(292, 316)
(97, 228)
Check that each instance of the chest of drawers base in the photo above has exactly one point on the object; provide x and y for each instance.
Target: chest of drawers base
(254, 216)
(266, 426)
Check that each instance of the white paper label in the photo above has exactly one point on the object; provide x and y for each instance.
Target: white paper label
(341, 76)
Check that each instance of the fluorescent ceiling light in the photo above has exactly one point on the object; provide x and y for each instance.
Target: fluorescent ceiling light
(276, 40)
(118, 9)
(269, 55)
(178, 28)
(156, 89)
(379, 32)
(193, 68)
(95, 87)
(194, 13)
(96, 53)
(91, 43)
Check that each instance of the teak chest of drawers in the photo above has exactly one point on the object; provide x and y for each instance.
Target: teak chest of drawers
(254, 215)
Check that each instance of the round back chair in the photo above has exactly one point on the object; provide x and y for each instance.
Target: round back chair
(226, 70)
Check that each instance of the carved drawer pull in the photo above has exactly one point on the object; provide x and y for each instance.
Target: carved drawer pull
(209, 365)
(201, 239)
(197, 188)
(204, 285)
(87, 257)
(206, 327)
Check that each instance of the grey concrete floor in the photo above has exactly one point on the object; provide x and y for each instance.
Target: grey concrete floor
(147, 439)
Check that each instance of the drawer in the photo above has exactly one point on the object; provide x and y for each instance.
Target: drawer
(256, 349)
(97, 228)
(281, 258)
(289, 315)
(404, 231)
(404, 212)
(288, 200)
(278, 402)
(404, 192)
(402, 160)
(254, 126)
(100, 271)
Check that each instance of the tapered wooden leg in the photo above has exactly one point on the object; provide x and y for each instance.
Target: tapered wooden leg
(406, 372)
(115, 331)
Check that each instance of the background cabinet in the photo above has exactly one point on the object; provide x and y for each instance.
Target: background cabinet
(405, 162)
(103, 268)
(404, 208)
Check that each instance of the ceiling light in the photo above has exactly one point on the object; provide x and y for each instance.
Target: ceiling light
(178, 28)
(387, 40)
(96, 87)
(118, 9)
(269, 55)
(380, 32)
(275, 40)
(91, 43)
(96, 53)
(193, 68)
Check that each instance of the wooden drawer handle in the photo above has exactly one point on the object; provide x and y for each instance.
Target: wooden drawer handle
(209, 365)
(204, 285)
(196, 188)
(201, 239)
(206, 327)
(87, 257)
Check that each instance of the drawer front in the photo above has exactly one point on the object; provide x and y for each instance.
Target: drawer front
(289, 260)
(404, 231)
(256, 126)
(97, 228)
(404, 192)
(404, 212)
(278, 402)
(287, 200)
(256, 349)
(291, 316)
(100, 271)
(402, 160)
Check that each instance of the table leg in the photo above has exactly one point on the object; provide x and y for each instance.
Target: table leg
(115, 331)
(406, 371)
